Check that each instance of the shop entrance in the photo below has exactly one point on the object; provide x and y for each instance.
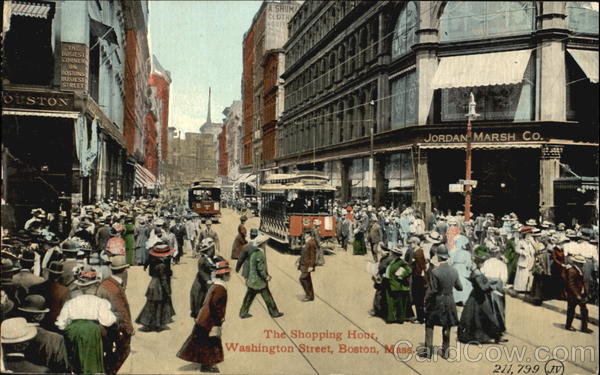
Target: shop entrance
(508, 181)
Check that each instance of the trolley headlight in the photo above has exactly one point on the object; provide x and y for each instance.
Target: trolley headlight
(216, 205)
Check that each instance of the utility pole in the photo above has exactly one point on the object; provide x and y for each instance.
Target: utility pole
(372, 166)
(471, 115)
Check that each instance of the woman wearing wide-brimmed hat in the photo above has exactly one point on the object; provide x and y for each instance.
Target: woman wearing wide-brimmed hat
(158, 310)
(81, 319)
(204, 344)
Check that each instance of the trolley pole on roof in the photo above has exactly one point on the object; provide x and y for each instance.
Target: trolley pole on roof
(471, 115)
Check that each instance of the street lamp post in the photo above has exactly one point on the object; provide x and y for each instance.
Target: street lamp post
(471, 115)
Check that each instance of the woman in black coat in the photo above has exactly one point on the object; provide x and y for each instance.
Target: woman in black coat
(158, 310)
(481, 320)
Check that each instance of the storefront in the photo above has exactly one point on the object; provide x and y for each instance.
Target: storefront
(515, 165)
(37, 151)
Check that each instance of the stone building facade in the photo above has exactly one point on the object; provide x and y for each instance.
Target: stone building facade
(267, 32)
(376, 95)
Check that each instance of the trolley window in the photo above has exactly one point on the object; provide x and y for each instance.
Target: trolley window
(310, 202)
(205, 194)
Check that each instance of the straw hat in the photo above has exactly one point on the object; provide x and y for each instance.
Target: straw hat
(222, 267)
(161, 249)
(118, 262)
(16, 330)
(260, 239)
(86, 276)
(578, 258)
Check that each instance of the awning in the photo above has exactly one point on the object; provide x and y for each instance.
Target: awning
(485, 69)
(8, 112)
(587, 61)
(143, 178)
(29, 9)
(581, 184)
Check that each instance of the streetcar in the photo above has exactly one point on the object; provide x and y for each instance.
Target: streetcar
(204, 198)
(290, 203)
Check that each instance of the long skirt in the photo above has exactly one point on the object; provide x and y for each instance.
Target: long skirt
(480, 321)
(358, 246)
(399, 307)
(83, 343)
(158, 310)
(200, 348)
(197, 294)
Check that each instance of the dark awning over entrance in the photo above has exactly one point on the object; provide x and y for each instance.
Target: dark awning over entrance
(575, 183)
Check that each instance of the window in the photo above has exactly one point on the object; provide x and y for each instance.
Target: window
(405, 34)
(582, 16)
(580, 93)
(463, 20)
(27, 47)
(404, 100)
(498, 102)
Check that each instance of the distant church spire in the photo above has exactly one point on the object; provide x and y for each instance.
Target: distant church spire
(208, 120)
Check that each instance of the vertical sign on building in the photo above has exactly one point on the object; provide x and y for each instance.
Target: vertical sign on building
(74, 67)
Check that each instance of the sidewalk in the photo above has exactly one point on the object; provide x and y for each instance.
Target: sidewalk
(560, 306)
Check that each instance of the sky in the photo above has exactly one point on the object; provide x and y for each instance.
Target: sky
(200, 43)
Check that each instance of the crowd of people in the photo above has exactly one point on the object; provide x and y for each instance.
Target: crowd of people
(64, 307)
(423, 269)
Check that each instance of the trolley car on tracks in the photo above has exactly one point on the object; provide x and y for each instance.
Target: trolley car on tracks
(204, 198)
(290, 203)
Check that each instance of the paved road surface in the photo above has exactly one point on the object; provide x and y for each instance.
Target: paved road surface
(350, 342)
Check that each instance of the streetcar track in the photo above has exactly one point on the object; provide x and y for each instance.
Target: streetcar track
(261, 303)
(345, 317)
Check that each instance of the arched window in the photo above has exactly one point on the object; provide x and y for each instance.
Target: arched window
(463, 20)
(341, 65)
(331, 74)
(362, 56)
(405, 33)
(582, 16)
(350, 119)
(340, 122)
(351, 55)
(374, 26)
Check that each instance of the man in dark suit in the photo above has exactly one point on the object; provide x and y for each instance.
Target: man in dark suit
(46, 348)
(439, 302)
(112, 290)
(55, 294)
(16, 337)
(418, 283)
(308, 261)
(103, 235)
(577, 294)
(246, 250)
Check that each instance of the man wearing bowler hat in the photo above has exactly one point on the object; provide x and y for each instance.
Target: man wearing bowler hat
(47, 348)
(307, 264)
(439, 302)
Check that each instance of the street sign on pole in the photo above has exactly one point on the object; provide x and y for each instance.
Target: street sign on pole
(456, 188)
(473, 183)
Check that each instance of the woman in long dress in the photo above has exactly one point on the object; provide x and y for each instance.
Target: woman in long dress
(461, 262)
(204, 344)
(158, 310)
(359, 247)
(129, 236)
(481, 319)
(142, 233)
(82, 318)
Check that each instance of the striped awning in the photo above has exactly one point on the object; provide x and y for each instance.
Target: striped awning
(30, 9)
(143, 178)
(484, 69)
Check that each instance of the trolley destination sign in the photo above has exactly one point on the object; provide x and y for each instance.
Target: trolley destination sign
(483, 136)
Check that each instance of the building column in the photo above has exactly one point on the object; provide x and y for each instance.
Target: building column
(549, 171)
(379, 170)
(551, 66)
(346, 182)
(422, 195)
